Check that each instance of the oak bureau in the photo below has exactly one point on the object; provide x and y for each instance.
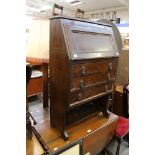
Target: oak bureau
(83, 65)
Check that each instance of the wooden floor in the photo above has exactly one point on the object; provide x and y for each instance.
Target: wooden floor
(33, 146)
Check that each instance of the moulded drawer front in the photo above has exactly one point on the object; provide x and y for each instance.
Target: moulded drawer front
(85, 74)
(86, 81)
(89, 92)
(83, 69)
(96, 141)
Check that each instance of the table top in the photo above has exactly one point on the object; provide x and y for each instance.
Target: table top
(53, 140)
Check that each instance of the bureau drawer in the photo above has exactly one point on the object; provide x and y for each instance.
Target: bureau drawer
(88, 94)
(84, 69)
(90, 80)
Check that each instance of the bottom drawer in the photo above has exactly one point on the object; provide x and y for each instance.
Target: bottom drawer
(98, 140)
(89, 93)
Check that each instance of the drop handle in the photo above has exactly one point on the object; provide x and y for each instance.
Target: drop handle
(109, 76)
(110, 66)
(109, 101)
(106, 88)
(81, 83)
(79, 96)
(83, 70)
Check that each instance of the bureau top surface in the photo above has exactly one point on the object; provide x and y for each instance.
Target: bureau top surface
(81, 20)
(52, 137)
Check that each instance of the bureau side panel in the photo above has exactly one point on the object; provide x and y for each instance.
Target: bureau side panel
(59, 69)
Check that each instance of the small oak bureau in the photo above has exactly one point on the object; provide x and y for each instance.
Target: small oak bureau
(83, 66)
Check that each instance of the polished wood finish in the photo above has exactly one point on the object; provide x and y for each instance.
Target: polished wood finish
(59, 79)
(119, 88)
(50, 138)
(33, 146)
(87, 40)
(116, 33)
(95, 133)
(35, 86)
(45, 84)
(34, 60)
(89, 94)
(98, 140)
(118, 106)
(81, 73)
(93, 72)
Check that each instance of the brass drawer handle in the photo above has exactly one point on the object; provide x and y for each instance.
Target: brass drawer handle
(79, 96)
(81, 83)
(109, 76)
(110, 66)
(106, 88)
(83, 70)
(110, 101)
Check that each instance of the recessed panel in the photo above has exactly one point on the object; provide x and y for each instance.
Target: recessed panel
(90, 41)
(93, 43)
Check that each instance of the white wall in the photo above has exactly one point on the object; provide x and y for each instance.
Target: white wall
(38, 40)
(124, 15)
(37, 44)
(69, 12)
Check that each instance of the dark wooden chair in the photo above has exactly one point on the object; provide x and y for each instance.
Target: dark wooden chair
(79, 14)
(56, 6)
(126, 100)
(121, 132)
(28, 122)
(121, 101)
